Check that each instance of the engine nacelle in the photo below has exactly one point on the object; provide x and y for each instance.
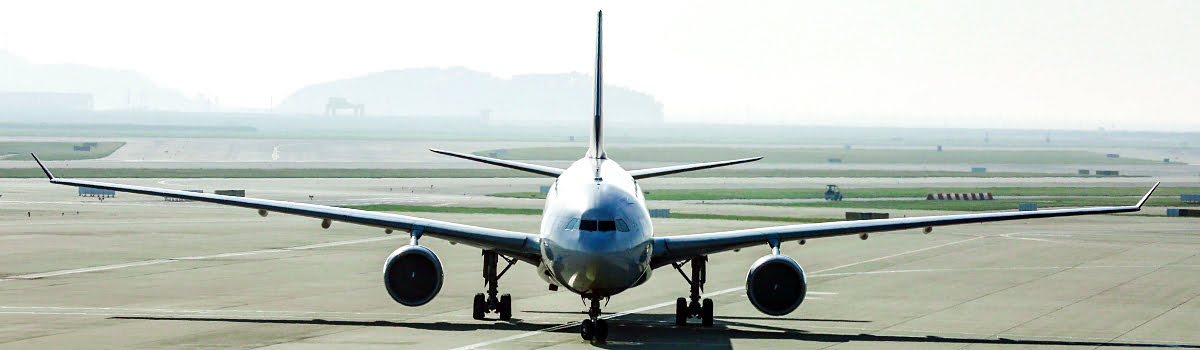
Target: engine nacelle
(412, 275)
(776, 285)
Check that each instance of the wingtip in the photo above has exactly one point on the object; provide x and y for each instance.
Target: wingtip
(1147, 196)
(39, 163)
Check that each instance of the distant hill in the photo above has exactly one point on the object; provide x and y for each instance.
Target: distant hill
(463, 92)
(110, 88)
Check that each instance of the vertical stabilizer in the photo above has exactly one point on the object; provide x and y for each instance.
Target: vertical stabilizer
(596, 147)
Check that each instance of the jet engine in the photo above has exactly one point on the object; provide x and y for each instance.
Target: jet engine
(412, 275)
(776, 285)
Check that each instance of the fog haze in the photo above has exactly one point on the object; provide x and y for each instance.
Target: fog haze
(986, 64)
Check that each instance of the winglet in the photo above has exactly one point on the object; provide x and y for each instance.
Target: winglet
(1147, 196)
(44, 170)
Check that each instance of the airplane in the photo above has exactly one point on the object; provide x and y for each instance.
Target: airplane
(596, 238)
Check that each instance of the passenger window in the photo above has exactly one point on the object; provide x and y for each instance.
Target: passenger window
(571, 225)
(607, 225)
(621, 226)
(587, 225)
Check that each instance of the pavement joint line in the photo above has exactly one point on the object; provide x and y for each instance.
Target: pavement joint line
(1154, 343)
(1000, 269)
(189, 258)
(712, 294)
(1024, 283)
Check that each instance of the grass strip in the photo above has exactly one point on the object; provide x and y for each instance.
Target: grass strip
(33, 172)
(915, 193)
(823, 155)
(992, 205)
(56, 150)
(518, 211)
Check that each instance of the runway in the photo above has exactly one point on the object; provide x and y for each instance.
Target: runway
(137, 272)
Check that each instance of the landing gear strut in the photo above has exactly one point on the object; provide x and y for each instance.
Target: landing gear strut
(693, 307)
(490, 303)
(594, 327)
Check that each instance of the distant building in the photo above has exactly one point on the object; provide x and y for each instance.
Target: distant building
(336, 103)
(44, 102)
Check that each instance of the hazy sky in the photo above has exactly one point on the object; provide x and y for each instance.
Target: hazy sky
(1020, 64)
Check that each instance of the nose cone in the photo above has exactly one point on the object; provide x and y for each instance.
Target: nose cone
(599, 275)
(598, 269)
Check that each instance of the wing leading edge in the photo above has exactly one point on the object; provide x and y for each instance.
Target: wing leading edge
(675, 248)
(517, 244)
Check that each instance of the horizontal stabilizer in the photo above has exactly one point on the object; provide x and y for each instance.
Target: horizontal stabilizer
(532, 168)
(668, 170)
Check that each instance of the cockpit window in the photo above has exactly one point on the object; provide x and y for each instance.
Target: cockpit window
(587, 225)
(621, 226)
(571, 225)
(602, 225)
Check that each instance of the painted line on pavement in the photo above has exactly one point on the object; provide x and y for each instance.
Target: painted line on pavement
(189, 258)
(672, 302)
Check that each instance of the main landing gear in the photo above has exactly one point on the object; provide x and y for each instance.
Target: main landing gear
(490, 303)
(693, 307)
(594, 327)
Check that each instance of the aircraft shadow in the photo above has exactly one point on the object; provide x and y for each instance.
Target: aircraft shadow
(514, 324)
(717, 318)
(631, 333)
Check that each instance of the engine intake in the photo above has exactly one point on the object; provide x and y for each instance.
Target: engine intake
(412, 275)
(776, 285)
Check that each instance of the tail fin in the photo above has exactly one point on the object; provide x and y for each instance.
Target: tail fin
(596, 148)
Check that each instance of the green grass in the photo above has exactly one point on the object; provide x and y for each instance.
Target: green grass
(261, 173)
(517, 211)
(817, 192)
(55, 150)
(749, 218)
(455, 173)
(822, 155)
(445, 209)
(992, 205)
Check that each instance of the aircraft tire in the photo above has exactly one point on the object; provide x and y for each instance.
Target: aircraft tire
(706, 313)
(601, 330)
(587, 329)
(505, 307)
(681, 312)
(479, 308)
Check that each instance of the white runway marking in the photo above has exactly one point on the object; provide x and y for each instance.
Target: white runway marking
(185, 258)
(672, 302)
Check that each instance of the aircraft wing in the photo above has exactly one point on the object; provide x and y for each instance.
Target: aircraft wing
(677, 248)
(516, 244)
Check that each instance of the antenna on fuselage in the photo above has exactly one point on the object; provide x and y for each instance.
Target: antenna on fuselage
(596, 148)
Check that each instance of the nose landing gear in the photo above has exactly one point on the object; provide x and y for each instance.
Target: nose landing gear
(594, 328)
(696, 308)
(491, 303)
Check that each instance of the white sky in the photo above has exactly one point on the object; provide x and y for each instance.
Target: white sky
(1017, 64)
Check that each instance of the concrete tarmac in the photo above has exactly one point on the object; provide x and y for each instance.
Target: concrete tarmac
(138, 272)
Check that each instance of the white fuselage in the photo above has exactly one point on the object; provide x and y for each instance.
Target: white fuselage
(596, 233)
